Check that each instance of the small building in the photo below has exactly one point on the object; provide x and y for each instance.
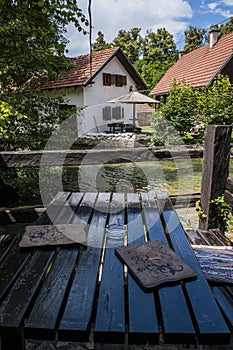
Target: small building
(93, 81)
(144, 114)
(199, 67)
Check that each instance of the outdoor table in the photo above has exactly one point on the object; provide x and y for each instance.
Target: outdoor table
(82, 292)
(116, 127)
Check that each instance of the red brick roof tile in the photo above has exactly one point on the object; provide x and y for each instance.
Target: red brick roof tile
(80, 74)
(199, 67)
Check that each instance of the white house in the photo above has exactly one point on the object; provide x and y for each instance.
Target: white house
(92, 82)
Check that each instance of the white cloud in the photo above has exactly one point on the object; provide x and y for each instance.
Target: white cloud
(109, 16)
(213, 5)
(228, 2)
(219, 8)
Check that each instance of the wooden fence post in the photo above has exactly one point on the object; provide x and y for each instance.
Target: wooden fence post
(215, 171)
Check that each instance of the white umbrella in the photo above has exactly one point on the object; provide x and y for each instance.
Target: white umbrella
(134, 97)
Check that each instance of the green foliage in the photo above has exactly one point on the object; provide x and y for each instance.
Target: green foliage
(100, 43)
(194, 38)
(164, 132)
(152, 71)
(223, 212)
(151, 55)
(9, 119)
(217, 102)
(31, 38)
(200, 211)
(180, 107)
(226, 28)
(159, 46)
(131, 42)
(187, 107)
(38, 115)
(32, 44)
(25, 181)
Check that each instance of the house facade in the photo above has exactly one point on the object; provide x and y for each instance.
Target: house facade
(200, 67)
(91, 83)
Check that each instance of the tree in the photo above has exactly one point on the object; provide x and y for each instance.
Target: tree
(186, 107)
(32, 38)
(130, 42)
(194, 38)
(152, 71)
(226, 28)
(180, 107)
(160, 46)
(100, 43)
(32, 44)
(217, 102)
(159, 53)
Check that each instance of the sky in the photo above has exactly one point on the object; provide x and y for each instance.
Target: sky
(109, 16)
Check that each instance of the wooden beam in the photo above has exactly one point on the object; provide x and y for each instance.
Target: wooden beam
(215, 171)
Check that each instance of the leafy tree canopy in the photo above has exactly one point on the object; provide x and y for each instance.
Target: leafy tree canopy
(32, 37)
(32, 43)
(100, 43)
(194, 38)
(187, 107)
(160, 45)
(131, 43)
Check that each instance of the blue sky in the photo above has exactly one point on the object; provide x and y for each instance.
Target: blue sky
(109, 16)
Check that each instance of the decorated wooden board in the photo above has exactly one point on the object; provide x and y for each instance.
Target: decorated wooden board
(41, 235)
(152, 263)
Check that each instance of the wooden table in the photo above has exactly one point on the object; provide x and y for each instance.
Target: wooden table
(116, 127)
(77, 292)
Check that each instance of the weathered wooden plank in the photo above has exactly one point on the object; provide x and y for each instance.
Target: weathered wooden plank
(75, 323)
(110, 317)
(209, 237)
(26, 269)
(46, 311)
(54, 208)
(11, 268)
(19, 159)
(41, 323)
(18, 300)
(225, 302)
(210, 323)
(172, 300)
(6, 246)
(143, 322)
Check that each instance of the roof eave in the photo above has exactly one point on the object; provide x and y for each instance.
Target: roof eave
(89, 80)
(221, 67)
(126, 63)
(131, 70)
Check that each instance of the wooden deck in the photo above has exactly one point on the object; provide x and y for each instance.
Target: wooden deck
(73, 293)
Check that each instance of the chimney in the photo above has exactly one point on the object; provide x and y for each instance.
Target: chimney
(181, 53)
(213, 37)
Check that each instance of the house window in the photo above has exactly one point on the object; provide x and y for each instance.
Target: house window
(106, 79)
(114, 79)
(120, 80)
(116, 113)
(106, 113)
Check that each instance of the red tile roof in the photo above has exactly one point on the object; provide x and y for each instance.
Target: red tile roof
(144, 108)
(199, 67)
(80, 74)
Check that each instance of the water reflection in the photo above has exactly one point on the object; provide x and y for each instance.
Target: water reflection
(175, 177)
